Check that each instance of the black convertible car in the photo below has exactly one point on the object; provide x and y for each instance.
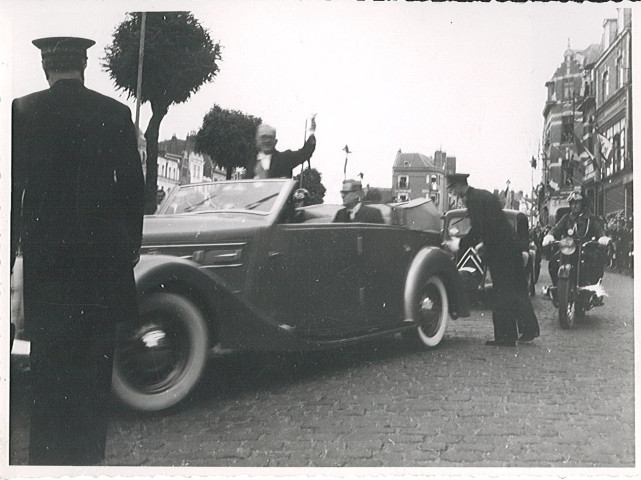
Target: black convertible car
(233, 266)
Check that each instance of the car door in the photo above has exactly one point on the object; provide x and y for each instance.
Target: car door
(384, 260)
(311, 281)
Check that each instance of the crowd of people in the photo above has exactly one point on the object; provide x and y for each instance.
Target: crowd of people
(621, 252)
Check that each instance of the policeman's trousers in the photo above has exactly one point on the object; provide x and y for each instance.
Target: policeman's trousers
(71, 380)
(511, 303)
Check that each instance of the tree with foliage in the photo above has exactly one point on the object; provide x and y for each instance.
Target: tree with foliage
(228, 137)
(373, 195)
(179, 57)
(312, 182)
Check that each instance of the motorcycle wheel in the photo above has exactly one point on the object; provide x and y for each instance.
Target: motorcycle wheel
(566, 297)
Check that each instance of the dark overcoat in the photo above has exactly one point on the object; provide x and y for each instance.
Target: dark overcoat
(490, 225)
(77, 205)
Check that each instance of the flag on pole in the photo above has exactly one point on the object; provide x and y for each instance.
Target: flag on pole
(588, 156)
(347, 152)
(585, 154)
(606, 146)
(533, 162)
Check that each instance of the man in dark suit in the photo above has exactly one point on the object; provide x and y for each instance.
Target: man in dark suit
(503, 254)
(270, 163)
(355, 211)
(77, 211)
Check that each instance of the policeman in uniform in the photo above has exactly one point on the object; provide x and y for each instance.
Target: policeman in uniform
(581, 225)
(503, 254)
(77, 210)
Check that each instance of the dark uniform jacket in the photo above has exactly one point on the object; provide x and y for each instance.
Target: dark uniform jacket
(583, 226)
(77, 204)
(364, 214)
(488, 225)
(511, 304)
(282, 163)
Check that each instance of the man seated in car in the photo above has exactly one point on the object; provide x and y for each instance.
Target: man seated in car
(582, 226)
(354, 210)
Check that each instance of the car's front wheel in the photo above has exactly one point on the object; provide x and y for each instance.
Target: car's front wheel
(431, 311)
(159, 360)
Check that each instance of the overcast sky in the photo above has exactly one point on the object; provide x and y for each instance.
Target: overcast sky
(382, 76)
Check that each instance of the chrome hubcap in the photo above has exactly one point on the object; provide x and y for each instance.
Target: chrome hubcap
(430, 311)
(153, 356)
(427, 305)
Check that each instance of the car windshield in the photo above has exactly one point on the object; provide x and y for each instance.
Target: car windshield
(257, 197)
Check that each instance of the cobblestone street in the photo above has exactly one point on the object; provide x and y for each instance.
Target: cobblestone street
(565, 400)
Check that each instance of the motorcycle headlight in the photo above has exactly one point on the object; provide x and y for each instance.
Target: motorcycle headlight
(567, 246)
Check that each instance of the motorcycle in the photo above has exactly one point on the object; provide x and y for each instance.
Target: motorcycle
(578, 286)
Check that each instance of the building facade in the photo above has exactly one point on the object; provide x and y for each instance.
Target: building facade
(192, 167)
(587, 134)
(168, 171)
(415, 175)
(562, 133)
(612, 124)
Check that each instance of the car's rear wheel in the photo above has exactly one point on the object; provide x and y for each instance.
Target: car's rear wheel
(431, 311)
(159, 361)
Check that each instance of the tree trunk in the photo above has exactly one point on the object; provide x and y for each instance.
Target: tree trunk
(151, 135)
(230, 169)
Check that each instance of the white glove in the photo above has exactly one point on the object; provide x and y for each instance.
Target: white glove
(605, 241)
(311, 128)
(525, 256)
(453, 245)
(547, 240)
(480, 248)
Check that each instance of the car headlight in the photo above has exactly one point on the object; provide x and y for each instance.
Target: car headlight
(567, 246)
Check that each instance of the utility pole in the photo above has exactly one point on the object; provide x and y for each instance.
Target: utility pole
(141, 56)
(533, 165)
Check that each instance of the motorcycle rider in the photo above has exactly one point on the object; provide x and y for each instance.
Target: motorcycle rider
(581, 226)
